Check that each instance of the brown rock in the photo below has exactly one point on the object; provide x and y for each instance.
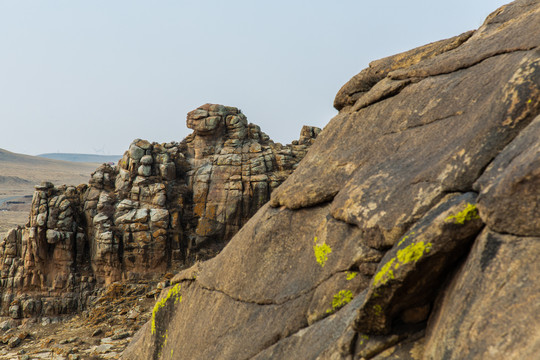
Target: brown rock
(158, 209)
(362, 83)
(388, 185)
(491, 309)
(509, 199)
(458, 136)
(415, 267)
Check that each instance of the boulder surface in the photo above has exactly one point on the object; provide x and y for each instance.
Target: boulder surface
(409, 231)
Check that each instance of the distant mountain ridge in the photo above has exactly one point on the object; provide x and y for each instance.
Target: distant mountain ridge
(86, 158)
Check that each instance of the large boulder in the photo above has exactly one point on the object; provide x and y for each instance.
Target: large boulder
(409, 230)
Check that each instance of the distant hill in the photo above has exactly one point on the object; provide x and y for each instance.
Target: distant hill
(13, 180)
(18, 171)
(86, 158)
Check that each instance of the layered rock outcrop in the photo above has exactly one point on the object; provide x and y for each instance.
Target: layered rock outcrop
(410, 229)
(162, 206)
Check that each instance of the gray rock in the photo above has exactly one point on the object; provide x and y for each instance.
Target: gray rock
(121, 335)
(147, 160)
(102, 349)
(14, 341)
(7, 324)
(15, 311)
(135, 152)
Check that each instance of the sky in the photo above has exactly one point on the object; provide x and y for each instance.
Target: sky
(91, 76)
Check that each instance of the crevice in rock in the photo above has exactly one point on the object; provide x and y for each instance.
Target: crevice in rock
(397, 76)
(459, 113)
(271, 302)
(387, 93)
(306, 326)
(418, 78)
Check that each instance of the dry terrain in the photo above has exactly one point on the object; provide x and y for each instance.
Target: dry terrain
(101, 332)
(18, 175)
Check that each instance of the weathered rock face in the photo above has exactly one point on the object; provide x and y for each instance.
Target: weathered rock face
(410, 229)
(163, 204)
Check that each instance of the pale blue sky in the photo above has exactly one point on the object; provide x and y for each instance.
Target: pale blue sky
(91, 76)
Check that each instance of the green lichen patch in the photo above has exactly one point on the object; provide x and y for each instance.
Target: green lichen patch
(362, 338)
(174, 292)
(342, 298)
(321, 252)
(410, 254)
(377, 309)
(385, 274)
(351, 275)
(405, 238)
(469, 213)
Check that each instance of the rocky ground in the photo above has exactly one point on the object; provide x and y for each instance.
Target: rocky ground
(101, 332)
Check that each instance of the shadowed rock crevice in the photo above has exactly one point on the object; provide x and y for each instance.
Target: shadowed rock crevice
(414, 75)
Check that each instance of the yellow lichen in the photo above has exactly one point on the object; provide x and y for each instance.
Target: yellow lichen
(321, 252)
(405, 238)
(173, 292)
(412, 253)
(362, 339)
(378, 310)
(469, 213)
(385, 274)
(340, 299)
(351, 275)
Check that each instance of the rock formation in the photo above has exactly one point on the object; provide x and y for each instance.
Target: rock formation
(409, 231)
(163, 204)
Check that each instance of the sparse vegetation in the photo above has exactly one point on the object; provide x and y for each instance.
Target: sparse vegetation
(321, 252)
(469, 213)
(340, 299)
(173, 292)
(412, 253)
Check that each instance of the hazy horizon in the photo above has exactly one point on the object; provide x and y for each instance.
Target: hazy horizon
(90, 77)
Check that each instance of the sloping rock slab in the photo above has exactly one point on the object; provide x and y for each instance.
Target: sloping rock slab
(491, 310)
(509, 200)
(410, 274)
(428, 119)
(392, 180)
